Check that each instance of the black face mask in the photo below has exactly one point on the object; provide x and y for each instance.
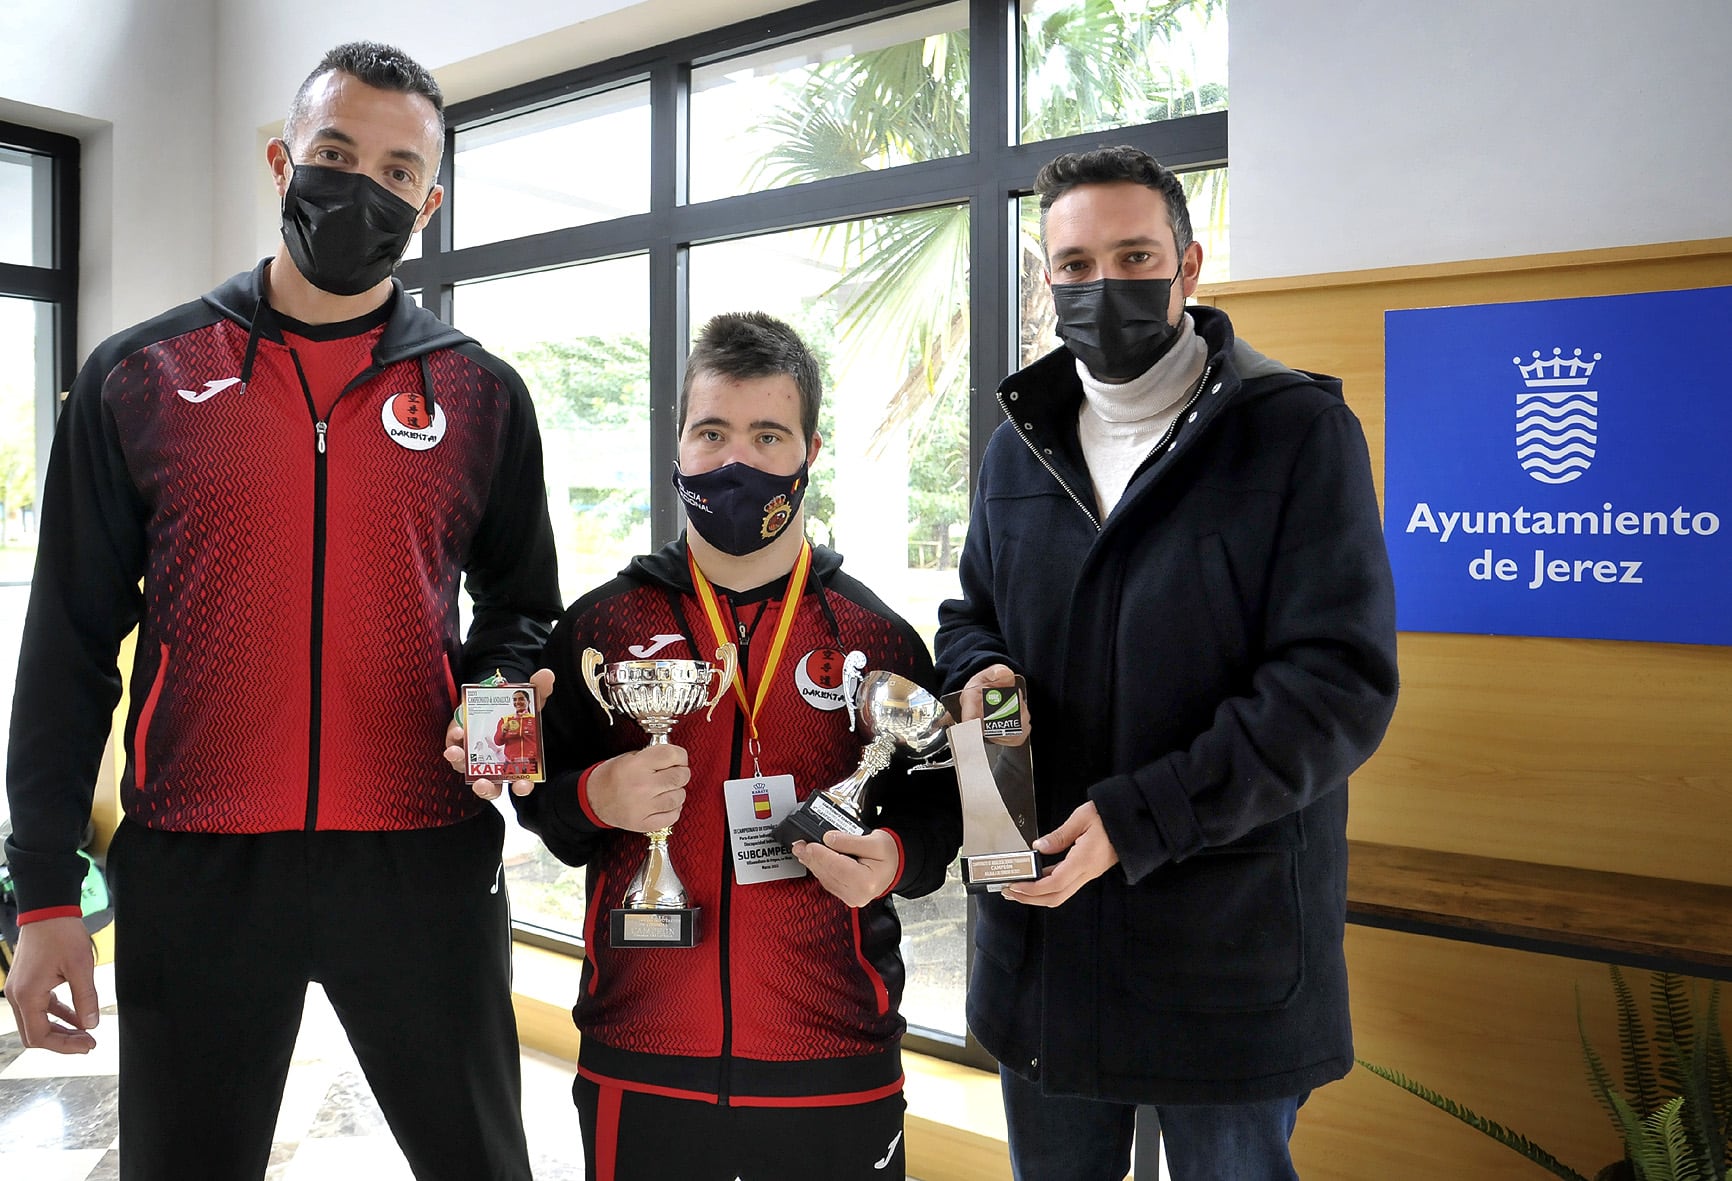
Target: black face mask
(345, 231)
(1116, 327)
(739, 509)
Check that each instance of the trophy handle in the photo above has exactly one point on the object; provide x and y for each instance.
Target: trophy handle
(727, 656)
(853, 672)
(591, 677)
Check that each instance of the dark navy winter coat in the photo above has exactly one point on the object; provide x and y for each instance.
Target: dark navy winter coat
(1208, 665)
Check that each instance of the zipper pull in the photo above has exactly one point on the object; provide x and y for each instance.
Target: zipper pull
(321, 427)
(742, 628)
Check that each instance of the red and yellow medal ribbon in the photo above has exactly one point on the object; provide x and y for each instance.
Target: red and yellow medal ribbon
(784, 625)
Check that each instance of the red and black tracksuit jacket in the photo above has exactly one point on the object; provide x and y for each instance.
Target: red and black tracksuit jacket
(791, 996)
(292, 571)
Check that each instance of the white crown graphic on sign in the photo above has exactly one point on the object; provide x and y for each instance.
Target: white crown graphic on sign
(1557, 418)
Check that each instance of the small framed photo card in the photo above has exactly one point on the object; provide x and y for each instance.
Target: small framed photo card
(503, 733)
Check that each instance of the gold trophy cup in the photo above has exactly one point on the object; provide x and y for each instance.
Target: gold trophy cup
(656, 694)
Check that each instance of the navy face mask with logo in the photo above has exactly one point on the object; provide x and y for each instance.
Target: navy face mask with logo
(739, 509)
(345, 231)
(1116, 327)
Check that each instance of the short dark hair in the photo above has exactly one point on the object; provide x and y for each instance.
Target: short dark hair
(743, 345)
(384, 67)
(1107, 166)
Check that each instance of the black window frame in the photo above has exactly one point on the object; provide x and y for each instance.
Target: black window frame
(988, 179)
(57, 283)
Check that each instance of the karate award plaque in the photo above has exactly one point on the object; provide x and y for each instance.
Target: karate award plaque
(656, 694)
(502, 732)
(996, 784)
(894, 712)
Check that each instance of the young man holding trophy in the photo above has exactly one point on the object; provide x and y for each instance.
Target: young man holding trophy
(739, 999)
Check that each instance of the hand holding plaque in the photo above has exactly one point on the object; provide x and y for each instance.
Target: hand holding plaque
(996, 784)
(895, 713)
(656, 694)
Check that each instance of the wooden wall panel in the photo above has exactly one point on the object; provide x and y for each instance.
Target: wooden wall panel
(1490, 1028)
(1600, 754)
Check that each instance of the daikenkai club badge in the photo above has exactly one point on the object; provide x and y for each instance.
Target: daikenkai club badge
(408, 422)
(818, 677)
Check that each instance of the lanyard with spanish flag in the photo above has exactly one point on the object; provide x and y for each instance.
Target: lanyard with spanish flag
(784, 625)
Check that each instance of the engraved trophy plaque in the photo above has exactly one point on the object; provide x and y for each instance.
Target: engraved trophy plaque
(894, 712)
(656, 694)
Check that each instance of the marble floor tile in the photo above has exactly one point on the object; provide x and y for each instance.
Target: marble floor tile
(58, 1113)
(45, 1164)
(107, 1168)
(11, 1045)
(103, 1060)
(372, 1157)
(349, 1111)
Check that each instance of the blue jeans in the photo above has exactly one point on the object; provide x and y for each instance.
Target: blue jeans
(1060, 1138)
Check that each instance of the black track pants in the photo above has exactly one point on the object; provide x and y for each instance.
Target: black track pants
(216, 938)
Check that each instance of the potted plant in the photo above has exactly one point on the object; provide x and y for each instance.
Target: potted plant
(1674, 1110)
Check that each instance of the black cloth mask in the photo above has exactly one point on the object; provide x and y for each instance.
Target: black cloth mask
(345, 231)
(1116, 327)
(739, 509)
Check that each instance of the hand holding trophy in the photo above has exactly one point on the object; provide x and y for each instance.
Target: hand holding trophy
(893, 711)
(656, 694)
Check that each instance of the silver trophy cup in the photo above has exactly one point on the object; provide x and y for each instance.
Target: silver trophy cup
(894, 712)
(656, 694)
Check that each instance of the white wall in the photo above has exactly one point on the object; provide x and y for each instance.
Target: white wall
(267, 47)
(133, 80)
(1386, 132)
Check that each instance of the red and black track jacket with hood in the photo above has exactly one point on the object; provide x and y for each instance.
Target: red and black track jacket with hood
(791, 996)
(293, 580)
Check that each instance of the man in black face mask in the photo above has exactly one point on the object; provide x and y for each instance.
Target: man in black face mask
(299, 469)
(771, 1045)
(1176, 541)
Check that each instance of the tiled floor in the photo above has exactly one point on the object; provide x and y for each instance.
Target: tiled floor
(58, 1113)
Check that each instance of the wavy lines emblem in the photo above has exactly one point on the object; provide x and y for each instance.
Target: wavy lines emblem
(1557, 416)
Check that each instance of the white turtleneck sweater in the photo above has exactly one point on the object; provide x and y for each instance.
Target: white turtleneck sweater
(1120, 424)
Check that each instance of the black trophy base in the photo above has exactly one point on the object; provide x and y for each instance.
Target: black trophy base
(811, 820)
(646, 927)
(988, 873)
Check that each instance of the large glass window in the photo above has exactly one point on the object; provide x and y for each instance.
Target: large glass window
(878, 95)
(1093, 65)
(570, 164)
(864, 177)
(579, 336)
(25, 346)
(38, 288)
(25, 185)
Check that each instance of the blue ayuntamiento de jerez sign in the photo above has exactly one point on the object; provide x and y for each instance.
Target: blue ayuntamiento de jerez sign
(1563, 467)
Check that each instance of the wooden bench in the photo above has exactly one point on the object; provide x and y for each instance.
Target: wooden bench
(1642, 922)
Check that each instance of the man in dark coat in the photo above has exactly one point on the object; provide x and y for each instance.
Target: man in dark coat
(1176, 541)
